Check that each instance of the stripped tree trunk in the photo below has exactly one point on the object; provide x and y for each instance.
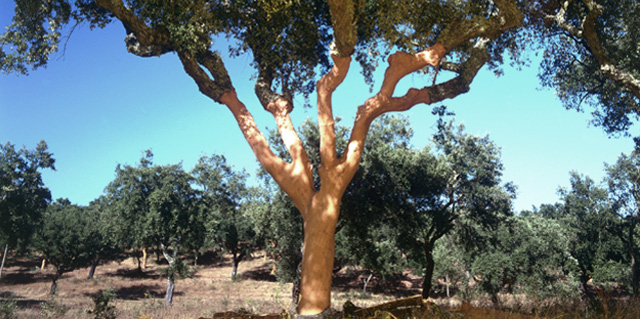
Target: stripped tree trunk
(171, 259)
(4, 256)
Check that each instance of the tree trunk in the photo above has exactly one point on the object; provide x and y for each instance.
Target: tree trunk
(366, 283)
(44, 264)
(171, 259)
(168, 296)
(92, 270)
(446, 278)
(428, 270)
(4, 256)
(54, 284)
(634, 274)
(145, 256)
(236, 261)
(318, 253)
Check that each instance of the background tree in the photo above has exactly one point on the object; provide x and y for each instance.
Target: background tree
(623, 179)
(424, 32)
(158, 206)
(460, 188)
(23, 195)
(127, 196)
(586, 212)
(62, 238)
(223, 193)
(101, 234)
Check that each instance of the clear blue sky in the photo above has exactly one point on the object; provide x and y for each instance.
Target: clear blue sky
(97, 106)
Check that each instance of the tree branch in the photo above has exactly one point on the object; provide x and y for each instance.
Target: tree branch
(264, 92)
(141, 40)
(590, 36)
(326, 123)
(342, 20)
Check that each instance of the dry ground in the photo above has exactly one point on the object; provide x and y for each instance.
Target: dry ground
(209, 290)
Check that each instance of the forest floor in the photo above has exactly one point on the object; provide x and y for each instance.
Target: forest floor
(208, 291)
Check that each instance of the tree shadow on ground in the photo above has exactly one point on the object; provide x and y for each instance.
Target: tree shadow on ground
(25, 277)
(138, 292)
(398, 285)
(262, 273)
(134, 274)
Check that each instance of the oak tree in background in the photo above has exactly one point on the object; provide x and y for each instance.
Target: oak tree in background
(289, 42)
(458, 188)
(156, 205)
(101, 234)
(127, 198)
(62, 238)
(623, 179)
(23, 196)
(586, 211)
(223, 196)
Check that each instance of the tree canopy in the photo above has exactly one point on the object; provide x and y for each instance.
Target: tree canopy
(23, 195)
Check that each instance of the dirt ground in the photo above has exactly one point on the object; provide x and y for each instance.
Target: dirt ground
(208, 291)
(140, 295)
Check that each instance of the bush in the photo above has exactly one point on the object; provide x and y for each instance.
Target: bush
(101, 308)
(8, 309)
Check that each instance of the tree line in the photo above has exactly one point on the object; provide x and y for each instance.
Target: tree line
(441, 211)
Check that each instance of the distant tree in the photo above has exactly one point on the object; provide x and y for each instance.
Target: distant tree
(127, 198)
(62, 238)
(101, 234)
(157, 205)
(459, 190)
(23, 195)
(623, 179)
(223, 196)
(531, 255)
(587, 213)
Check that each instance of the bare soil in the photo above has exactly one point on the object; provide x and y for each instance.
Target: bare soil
(207, 291)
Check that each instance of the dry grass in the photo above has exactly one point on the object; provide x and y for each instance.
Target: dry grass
(140, 295)
(210, 290)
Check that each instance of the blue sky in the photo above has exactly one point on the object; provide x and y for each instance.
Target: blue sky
(97, 106)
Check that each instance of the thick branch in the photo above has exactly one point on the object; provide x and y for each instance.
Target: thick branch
(213, 88)
(141, 40)
(458, 32)
(291, 178)
(590, 36)
(264, 92)
(459, 84)
(559, 18)
(342, 20)
(326, 123)
(299, 173)
(598, 51)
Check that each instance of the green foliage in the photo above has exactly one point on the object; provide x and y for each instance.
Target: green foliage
(102, 309)
(571, 66)
(8, 309)
(62, 239)
(23, 196)
(224, 203)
